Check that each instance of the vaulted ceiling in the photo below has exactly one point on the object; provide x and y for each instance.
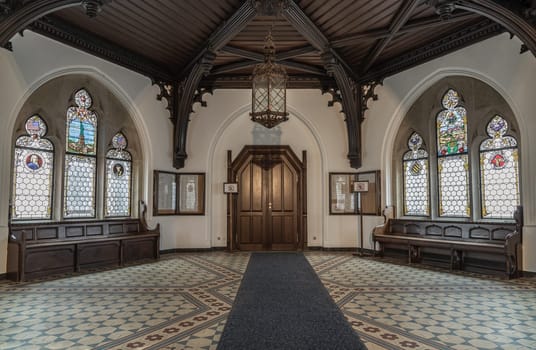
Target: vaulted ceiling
(161, 38)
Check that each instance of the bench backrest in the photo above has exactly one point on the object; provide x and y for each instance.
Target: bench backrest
(452, 229)
(37, 232)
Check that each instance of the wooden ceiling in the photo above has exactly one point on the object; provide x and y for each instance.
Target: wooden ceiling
(161, 38)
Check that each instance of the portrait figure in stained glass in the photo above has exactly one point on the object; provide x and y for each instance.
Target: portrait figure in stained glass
(34, 161)
(81, 125)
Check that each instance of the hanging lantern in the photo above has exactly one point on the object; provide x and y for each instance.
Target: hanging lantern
(269, 95)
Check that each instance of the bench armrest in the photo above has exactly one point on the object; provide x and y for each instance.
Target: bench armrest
(143, 218)
(388, 213)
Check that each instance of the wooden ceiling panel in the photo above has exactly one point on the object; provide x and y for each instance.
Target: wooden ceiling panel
(173, 34)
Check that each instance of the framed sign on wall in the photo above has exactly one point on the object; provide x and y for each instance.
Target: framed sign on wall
(344, 189)
(178, 193)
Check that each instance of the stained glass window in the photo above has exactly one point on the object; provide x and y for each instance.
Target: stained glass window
(453, 161)
(118, 178)
(416, 188)
(499, 171)
(33, 173)
(80, 162)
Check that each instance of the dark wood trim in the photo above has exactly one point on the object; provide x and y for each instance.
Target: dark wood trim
(61, 31)
(410, 26)
(304, 50)
(20, 17)
(192, 250)
(400, 19)
(510, 20)
(231, 67)
(242, 81)
(235, 51)
(469, 35)
(351, 102)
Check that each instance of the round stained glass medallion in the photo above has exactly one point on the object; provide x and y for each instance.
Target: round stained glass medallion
(498, 161)
(33, 161)
(118, 170)
(497, 126)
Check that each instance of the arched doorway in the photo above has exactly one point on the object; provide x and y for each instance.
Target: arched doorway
(269, 209)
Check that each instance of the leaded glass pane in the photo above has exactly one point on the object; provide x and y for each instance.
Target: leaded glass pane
(453, 186)
(451, 126)
(416, 189)
(82, 126)
(32, 142)
(118, 175)
(79, 191)
(35, 126)
(119, 141)
(32, 185)
(499, 171)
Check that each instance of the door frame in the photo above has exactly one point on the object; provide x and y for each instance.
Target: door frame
(299, 166)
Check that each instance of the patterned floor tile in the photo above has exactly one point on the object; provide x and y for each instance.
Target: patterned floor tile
(182, 302)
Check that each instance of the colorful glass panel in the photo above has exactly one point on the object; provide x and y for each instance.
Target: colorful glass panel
(453, 176)
(82, 126)
(416, 188)
(118, 178)
(118, 175)
(79, 190)
(499, 171)
(451, 126)
(33, 173)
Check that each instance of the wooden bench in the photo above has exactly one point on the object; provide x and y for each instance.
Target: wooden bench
(43, 249)
(490, 244)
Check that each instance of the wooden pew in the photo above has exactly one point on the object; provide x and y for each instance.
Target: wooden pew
(491, 243)
(49, 248)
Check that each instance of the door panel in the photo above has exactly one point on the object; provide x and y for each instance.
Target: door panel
(267, 206)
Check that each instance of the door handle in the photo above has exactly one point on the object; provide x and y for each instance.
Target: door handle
(269, 205)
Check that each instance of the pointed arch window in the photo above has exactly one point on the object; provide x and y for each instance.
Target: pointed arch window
(499, 171)
(33, 173)
(453, 160)
(118, 178)
(80, 158)
(416, 185)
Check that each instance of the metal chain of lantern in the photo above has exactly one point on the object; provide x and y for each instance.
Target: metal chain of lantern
(269, 95)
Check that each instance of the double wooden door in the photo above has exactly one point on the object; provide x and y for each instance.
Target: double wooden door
(268, 204)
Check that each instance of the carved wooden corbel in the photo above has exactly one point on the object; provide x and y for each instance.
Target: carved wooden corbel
(367, 93)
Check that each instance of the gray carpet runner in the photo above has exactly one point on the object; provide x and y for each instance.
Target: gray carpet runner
(282, 304)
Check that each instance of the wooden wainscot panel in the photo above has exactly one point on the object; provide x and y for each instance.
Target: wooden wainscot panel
(132, 227)
(94, 230)
(74, 231)
(40, 261)
(413, 229)
(434, 230)
(98, 254)
(453, 231)
(136, 249)
(499, 234)
(397, 227)
(479, 233)
(28, 233)
(47, 232)
(115, 228)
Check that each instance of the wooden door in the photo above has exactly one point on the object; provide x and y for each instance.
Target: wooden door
(267, 206)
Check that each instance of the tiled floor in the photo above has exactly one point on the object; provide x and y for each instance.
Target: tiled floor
(182, 301)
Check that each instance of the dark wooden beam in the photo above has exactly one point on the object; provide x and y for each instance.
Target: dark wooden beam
(513, 22)
(19, 17)
(200, 67)
(454, 41)
(300, 51)
(338, 69)
(351, 105)
(306, 68)
(235, 51)
(243, 81)
(400, 19)
(218, 39)
(231, 67)
(66, 33)
(411, 26)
